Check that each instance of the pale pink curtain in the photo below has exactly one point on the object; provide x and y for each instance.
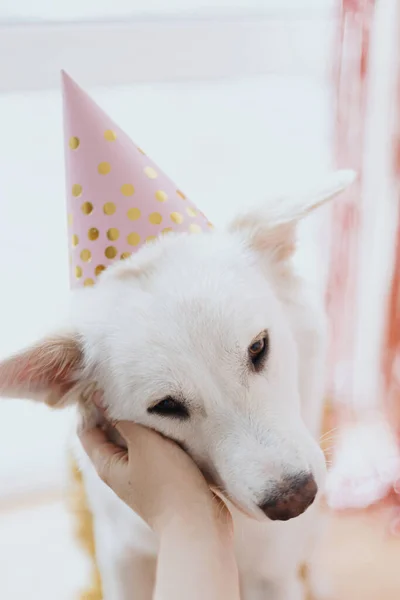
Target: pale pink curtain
(363, 292)
(391, 357)
(351, 66)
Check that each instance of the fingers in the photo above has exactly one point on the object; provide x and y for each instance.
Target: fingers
(104, 454)
(128, 430)
(95, 442)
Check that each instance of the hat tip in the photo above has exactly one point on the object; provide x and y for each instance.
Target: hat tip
(66, 79)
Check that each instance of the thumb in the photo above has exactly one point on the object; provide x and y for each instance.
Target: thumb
(130, 431)
(104, 455)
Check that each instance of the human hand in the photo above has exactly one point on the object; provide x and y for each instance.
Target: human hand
(154, 476)
(162, 484)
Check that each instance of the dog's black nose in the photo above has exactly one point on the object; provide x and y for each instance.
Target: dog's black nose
(290, 498)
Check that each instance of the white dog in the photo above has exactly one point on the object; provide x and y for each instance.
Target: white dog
(214, 341)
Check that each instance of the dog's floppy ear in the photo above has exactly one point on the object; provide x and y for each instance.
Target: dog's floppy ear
(273, 228)
(46, 372)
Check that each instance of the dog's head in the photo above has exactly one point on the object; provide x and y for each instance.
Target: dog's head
(192, 337)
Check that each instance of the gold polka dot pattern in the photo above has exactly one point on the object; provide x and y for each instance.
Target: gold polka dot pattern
(93, 234)
(118, 199)
(74, 142)
(133, 214)
(111, 252)
(99, 269)
(109, 208)
(133, 239)
(127, 189)
(86, 255)
(77, 190)
(176, 217)
(150, 173)
(113, 234)
(155, 218)
(110, 135)
(87, 208)
(104, 168)
(161, 196)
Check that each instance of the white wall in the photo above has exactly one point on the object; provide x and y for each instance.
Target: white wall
(91, 9)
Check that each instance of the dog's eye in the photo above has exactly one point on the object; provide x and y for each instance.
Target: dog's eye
(258, 351)
(169, 407)
(257, 347)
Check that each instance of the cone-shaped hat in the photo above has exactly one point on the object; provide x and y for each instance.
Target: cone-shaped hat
(117, 198)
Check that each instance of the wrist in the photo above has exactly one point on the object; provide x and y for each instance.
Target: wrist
(198, 519)
(202, 545)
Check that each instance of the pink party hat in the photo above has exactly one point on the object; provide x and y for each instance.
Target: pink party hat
(118, 199)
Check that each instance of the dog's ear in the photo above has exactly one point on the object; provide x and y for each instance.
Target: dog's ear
(46, 372)
(273, 228)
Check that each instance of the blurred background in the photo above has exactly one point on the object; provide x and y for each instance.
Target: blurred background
(237, 100)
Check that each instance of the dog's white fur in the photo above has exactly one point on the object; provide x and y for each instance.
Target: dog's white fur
(176, 320)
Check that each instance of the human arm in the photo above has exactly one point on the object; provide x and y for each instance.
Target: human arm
(161, 483)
